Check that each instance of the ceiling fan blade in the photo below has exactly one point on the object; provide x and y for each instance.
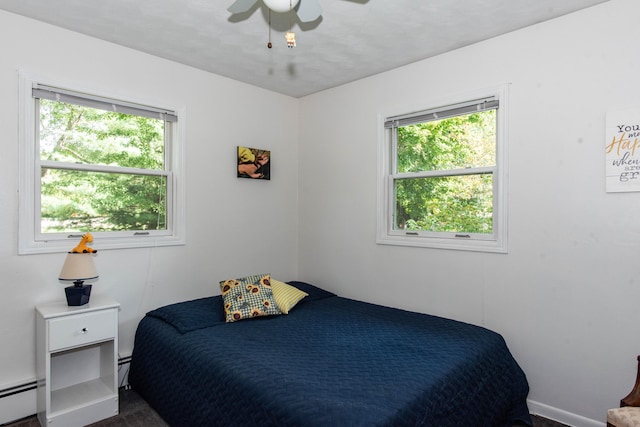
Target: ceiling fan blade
(241, 6)
(309, 10)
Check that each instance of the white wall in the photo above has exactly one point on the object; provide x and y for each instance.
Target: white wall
(566, 295)
(234, 226)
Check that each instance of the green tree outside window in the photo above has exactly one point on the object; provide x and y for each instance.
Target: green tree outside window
(124, 191)
(449, 199)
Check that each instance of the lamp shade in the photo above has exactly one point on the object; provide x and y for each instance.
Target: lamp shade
(78, 267)
(281, 5)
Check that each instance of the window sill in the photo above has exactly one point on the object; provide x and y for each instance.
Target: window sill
(491, 246)
(57, 246)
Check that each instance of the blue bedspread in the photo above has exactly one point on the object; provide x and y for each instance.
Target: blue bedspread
(331, 362)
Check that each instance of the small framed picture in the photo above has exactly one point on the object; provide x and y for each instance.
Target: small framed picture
(254, 163)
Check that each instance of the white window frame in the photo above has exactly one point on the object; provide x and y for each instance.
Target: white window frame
(30, 239)
(496, 242)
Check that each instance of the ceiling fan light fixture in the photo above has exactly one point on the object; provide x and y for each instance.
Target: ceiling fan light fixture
(281, 6)
(291, 39)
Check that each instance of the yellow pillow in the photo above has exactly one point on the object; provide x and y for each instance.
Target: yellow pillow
(286, 296)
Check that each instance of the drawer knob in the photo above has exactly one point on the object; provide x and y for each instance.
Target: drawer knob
(84, 330)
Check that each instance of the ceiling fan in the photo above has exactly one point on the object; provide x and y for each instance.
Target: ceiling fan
(308, 11)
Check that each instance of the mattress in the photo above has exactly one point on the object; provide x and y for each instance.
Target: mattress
(332, 361)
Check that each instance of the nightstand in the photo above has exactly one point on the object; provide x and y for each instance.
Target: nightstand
(77, 362)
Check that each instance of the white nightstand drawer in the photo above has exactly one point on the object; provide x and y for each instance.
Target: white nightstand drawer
(82, 329)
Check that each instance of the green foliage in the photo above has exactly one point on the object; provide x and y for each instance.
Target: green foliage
(75, 200)
(460, 203)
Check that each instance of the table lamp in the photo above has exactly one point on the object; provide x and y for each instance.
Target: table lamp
(77, 268)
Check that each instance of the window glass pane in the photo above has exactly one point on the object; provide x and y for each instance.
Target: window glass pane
(77, 134)
(78, 201)
(456, 204)
(452, 143)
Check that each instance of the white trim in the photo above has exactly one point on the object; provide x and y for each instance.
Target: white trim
(27, 236)
(498, 242)
(564, 417)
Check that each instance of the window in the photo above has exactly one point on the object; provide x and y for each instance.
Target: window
(93, 163)
(443, 176)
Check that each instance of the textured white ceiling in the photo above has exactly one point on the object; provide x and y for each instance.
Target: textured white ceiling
(353, 38)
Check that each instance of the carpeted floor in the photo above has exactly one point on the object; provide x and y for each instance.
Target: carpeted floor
(134, 412)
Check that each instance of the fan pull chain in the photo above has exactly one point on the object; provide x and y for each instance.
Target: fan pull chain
(269, 45)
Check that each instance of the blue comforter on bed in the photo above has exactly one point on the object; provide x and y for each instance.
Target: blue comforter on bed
(331, 361)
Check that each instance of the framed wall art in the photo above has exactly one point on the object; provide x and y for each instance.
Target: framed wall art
(622, 150)
(254, 163)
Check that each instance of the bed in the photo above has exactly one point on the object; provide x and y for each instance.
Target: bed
(331, 361)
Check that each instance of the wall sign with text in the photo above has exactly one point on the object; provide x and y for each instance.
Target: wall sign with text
(622, 150)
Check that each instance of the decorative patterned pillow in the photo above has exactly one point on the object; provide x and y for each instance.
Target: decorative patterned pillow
(286, 296)
(248, 297)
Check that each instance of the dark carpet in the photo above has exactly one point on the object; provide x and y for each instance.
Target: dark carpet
(134, 412)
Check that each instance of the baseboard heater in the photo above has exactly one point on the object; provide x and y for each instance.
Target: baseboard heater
(123, 374)
(31, 385)
(124, 360)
